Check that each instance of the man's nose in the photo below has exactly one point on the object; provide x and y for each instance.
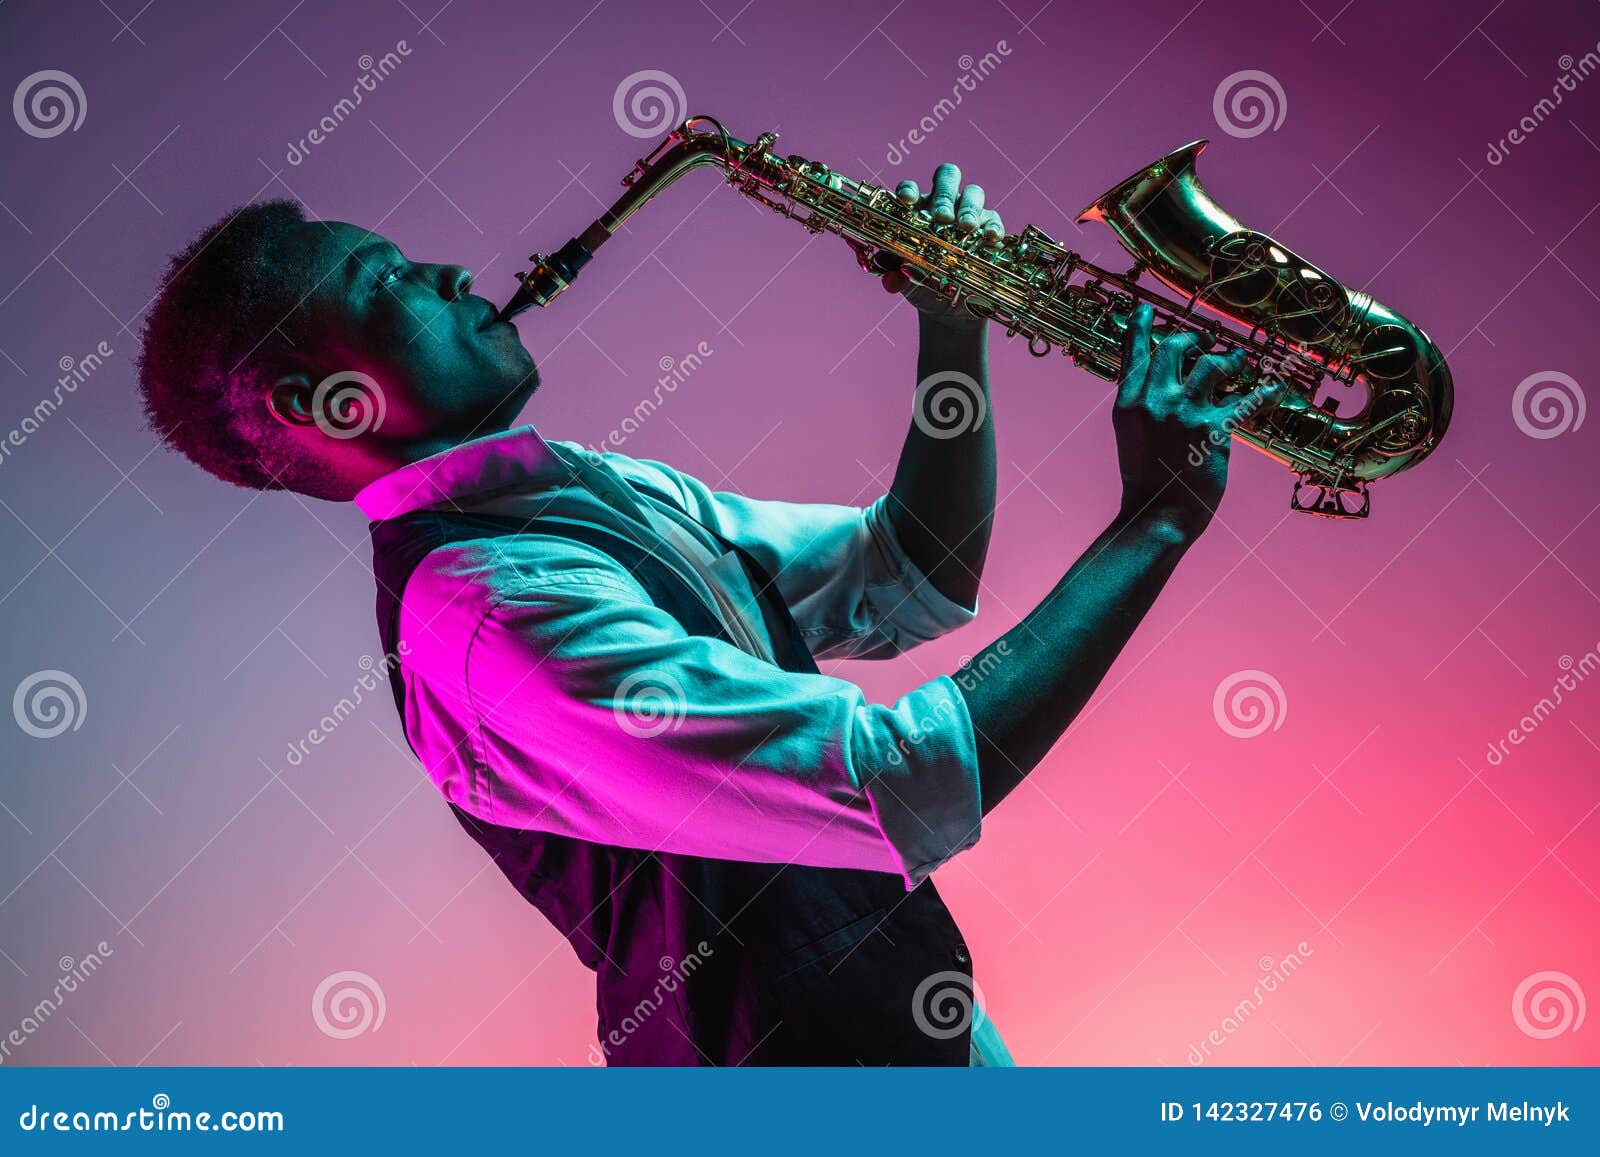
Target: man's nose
(454, 281)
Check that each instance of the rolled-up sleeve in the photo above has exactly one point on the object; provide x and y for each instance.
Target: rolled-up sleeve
(582, 709)
(853, 590)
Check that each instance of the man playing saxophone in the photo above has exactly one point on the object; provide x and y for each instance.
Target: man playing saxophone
(608, 668)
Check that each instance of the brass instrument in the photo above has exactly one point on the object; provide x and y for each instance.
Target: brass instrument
(1296, 323)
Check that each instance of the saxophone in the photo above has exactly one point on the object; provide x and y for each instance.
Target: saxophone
(1367, 393)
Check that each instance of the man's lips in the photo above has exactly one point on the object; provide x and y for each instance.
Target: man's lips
(490, 318)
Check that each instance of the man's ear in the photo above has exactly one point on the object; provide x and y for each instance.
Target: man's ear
(290, 400)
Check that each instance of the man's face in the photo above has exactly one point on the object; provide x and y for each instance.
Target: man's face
(445, 368)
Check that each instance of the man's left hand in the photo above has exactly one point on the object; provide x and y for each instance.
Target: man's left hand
(949, 203)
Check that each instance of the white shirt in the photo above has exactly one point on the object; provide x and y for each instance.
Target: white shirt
(544, 690)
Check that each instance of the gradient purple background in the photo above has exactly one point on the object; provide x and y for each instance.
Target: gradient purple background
(1116, 916)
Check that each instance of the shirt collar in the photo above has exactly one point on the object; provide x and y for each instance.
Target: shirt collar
(515, 458)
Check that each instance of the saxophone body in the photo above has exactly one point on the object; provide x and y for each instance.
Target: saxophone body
(1367, 393)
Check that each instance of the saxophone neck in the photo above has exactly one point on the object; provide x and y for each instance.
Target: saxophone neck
(697, 142)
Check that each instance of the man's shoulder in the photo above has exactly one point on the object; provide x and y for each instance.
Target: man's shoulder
(648, 472)
(460, 582)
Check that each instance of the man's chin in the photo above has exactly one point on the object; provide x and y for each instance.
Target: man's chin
(521, 368)
(514, 397)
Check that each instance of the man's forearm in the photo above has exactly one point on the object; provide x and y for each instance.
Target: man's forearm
(942, 499)
(1026, 688)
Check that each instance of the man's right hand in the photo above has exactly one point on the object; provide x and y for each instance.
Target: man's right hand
(1024, 689)
(1172, 435)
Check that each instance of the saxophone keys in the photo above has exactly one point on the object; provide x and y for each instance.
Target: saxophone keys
(1327, 499)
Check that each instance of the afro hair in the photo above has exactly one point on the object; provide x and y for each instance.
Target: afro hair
(215, 339)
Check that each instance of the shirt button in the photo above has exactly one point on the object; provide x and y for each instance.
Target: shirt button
(959, 955)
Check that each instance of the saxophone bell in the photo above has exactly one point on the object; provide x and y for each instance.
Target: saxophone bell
(1369, 394)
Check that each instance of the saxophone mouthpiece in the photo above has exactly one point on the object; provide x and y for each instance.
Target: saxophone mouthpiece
(550, 275)
(520, 300)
